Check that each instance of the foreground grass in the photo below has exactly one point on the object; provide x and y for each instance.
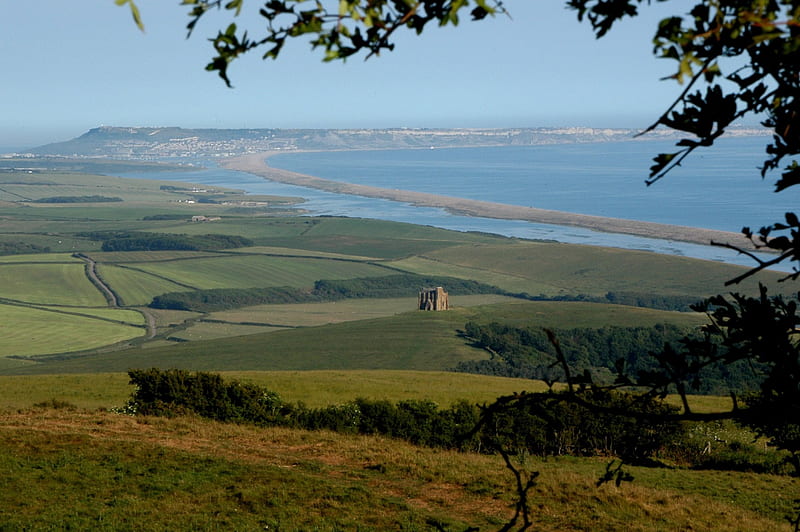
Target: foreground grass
(79, 470)
(314, 388)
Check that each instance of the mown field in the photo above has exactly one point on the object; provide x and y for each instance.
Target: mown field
(27, 331)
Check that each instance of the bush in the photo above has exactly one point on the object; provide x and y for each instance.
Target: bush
(724, 445)
(589, 423)
(175, 392)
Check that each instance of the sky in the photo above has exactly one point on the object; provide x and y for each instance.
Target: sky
(71, 66)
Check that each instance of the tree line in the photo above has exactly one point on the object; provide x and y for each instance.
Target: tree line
(527, 352)
(145, 241)
(396, 285)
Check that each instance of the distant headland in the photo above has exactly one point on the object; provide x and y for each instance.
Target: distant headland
(175, 143)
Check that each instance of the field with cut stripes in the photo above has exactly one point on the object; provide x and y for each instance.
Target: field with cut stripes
(48, 284)
(26, 331)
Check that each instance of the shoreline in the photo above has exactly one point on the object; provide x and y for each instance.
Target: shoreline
(257, 164)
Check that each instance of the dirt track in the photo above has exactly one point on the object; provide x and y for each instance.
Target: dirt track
(257, 164)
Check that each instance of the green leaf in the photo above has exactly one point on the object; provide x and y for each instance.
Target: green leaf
(137, 17)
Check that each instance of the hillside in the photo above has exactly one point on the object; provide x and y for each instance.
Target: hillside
(103, 471)
(152, 143)
(65, 265)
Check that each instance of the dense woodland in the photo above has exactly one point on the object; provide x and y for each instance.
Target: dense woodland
(78, 199)
(21, 248)
(144, 241)
(603, 352)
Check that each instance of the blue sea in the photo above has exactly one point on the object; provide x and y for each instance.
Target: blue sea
(719, 189)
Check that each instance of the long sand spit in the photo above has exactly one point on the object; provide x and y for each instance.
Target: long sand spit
(257, 164)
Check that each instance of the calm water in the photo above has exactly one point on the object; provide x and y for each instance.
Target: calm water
(718, 189)
(591, 179)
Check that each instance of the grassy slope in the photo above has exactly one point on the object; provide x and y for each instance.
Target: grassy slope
(556, 269)
(412, 340)
(313, 314)
(315, 388)
(49, 284)
(102, 471)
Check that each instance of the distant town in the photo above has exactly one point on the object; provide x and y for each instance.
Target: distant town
(176, 144)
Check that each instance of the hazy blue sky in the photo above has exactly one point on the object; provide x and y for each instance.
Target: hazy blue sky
(71, 66)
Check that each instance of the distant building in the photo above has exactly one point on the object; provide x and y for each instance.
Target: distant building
(433, 299)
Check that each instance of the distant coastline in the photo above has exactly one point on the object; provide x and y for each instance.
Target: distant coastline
(257, 164)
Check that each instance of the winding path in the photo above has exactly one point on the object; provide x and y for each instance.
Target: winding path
(91, 273)
(111, 297)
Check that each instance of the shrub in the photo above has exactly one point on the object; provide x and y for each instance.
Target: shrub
(589, 423)
(174, 392)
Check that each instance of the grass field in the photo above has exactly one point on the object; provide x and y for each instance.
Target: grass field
(132, 317)
(294, 252)
(258, 271)
(557, 269)
(28, 331)
(49, 284)
(136, 287)
(38, 257)
(411, 340)
(202, 330)
(314, 388)
(101, 471)
(313, 314)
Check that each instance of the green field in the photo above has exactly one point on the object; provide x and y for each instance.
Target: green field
(258, 271)
(26, 331)
(39, 257)
(314, 388)
(313, 314)
(136, 287)
(49, 284)
(410, 340)
(557, 269)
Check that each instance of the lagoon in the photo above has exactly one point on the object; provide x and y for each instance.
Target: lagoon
(716, 194)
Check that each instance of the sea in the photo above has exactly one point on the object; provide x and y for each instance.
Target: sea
(719, 188)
